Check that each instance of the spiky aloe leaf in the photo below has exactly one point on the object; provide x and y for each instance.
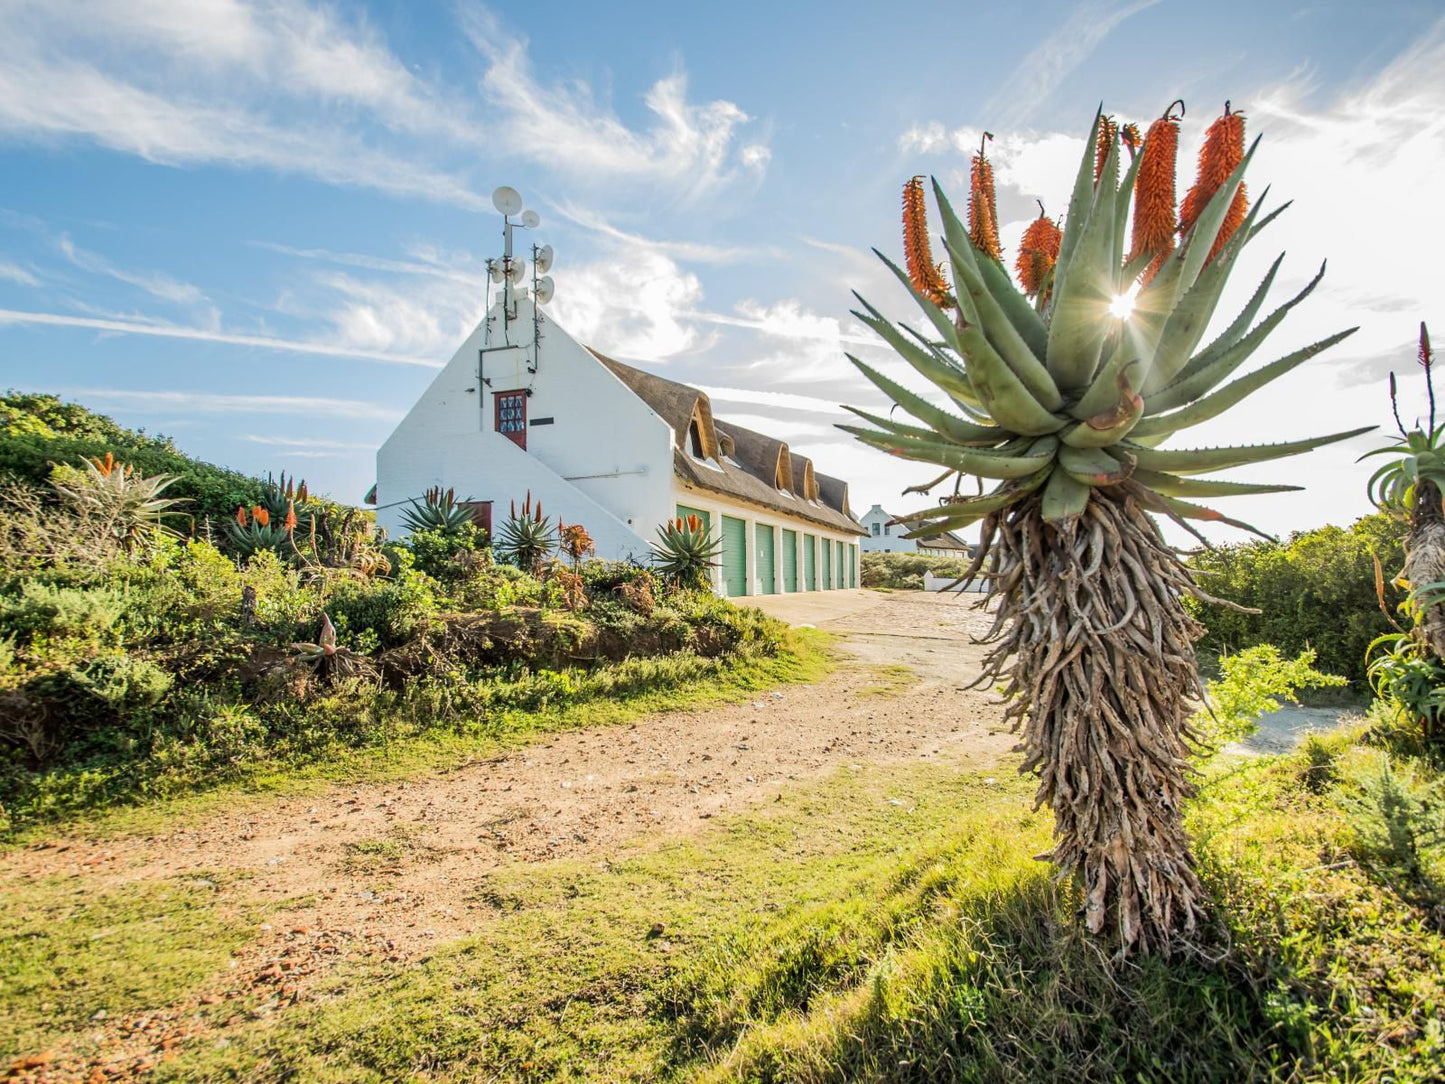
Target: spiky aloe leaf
(1199, 460)
(986, 464)
(1084, 289)
(1215, 404)
(947, 426)
(1201, 374)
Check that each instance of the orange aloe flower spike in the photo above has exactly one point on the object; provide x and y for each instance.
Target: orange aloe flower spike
(261, 516)
(1038, 252)
(290, 521)
(1155, 220)
(1108, 132)
(1221, 154)
(241, 515)
(927, 276)
(983, 204)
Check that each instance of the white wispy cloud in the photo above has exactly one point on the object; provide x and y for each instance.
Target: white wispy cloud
(13, 272)
(200, 334)
(464, 269)
(1024, 93)
(309, 443)
(222, 403)
(693, 251)
(155, 283)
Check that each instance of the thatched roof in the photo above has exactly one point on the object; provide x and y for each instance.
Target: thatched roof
(736, 461)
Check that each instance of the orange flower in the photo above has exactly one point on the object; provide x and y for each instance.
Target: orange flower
(261, 516)
(1108, 132)
(290, 521)
(106, 465)
(982, 204)
(1155, 222)
(302, 493)
(927, 276)
(241, 516)
(693, 523)
(1038, 251)
(1221, 154)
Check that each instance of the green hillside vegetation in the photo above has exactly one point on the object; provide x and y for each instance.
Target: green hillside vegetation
(140, 660)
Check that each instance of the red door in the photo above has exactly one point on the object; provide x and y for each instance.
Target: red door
(512, 416)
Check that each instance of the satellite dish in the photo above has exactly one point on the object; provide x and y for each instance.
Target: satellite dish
(495, 270)
(531, 220)
(545, 289)
(507, 200)
(544, 259)
(515, 272)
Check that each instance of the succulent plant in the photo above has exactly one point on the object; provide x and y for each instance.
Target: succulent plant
(527, 537)
(1064, 401)
(254, 531)
(1409, 487)
(129, 503)
(685, 551)
(438, 510)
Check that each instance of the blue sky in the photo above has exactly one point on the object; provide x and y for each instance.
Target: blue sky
(259, 226)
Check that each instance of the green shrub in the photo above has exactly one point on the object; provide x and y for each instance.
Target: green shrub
(1251, 683)
(904, 571)
(436, 552)
(1397, 823)
(43, 610)
(40, 432)
(1315, 590)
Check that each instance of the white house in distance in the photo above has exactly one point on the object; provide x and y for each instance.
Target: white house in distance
(522, 406)
(884, 537)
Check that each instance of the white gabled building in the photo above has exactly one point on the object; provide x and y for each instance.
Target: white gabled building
(882, 536)
(522, 406)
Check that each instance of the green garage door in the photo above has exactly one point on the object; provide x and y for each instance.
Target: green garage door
(735, 556)
(842, 565)
(827, 564)
(790, 560)
(810, 563)
(767, 546)
(852, 566)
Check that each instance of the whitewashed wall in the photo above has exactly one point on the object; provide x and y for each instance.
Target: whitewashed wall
(604, 462)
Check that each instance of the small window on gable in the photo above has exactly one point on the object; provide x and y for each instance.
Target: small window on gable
(877, 529)
(887, 529)
(512, 416)
(694, 441)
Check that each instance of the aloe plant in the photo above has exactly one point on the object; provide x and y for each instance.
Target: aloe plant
(439, 511)
(1064, 400)
(527, 538)
(685, 552)
(128, 503)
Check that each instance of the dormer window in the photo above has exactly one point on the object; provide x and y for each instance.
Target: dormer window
(694, 441)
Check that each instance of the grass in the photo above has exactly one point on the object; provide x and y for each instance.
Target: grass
(675, 683)
(70, 952)
(890, 924)
(894, 679)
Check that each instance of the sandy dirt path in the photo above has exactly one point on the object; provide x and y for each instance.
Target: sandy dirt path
(392, 869)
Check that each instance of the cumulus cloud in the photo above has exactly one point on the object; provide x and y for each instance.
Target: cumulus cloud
(691, 146)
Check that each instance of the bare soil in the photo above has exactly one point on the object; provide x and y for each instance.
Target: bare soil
(390, 871)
